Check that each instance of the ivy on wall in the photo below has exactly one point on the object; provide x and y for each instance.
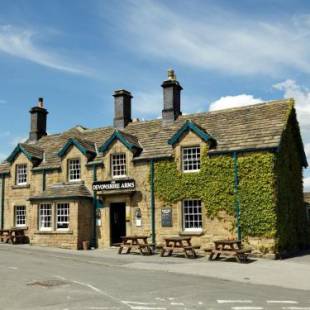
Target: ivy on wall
(214, 185)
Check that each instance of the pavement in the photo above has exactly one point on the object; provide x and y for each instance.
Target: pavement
(37, 278)
(292, 273)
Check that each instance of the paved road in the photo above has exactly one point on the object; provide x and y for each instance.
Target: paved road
(34, 279)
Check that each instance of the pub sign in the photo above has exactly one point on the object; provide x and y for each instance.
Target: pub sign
(114, 185)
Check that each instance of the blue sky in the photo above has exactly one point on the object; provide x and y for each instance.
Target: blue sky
(76, 53)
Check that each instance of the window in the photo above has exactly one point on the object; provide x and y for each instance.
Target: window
(21, 174)
(118, 165)
(62, 216)
(74, 170)
(45, 216)
(192, 219)
(191, 158)
(20, 216)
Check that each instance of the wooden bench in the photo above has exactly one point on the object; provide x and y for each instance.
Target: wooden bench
(135, 242)
(178, 245)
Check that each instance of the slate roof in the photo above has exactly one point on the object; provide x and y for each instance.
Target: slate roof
(57, 191)
(252, 127)
(33, 150)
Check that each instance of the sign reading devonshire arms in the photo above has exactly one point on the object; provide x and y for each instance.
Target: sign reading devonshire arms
(114, 185)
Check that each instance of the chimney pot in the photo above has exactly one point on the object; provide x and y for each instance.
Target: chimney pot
(172, 98)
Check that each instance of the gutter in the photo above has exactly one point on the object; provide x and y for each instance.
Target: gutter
(94, 237)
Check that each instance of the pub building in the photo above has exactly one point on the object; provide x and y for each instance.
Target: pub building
(100, 184)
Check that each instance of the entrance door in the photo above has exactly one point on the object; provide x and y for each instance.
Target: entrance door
(117, 221)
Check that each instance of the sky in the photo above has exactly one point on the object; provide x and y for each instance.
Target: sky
(75, 53)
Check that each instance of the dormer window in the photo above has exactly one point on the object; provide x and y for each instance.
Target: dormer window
(118, 165)
(74, 170)
(191, 159)
(21, 174)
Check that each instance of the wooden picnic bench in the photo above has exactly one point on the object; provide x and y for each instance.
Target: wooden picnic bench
(13, 235)
(139, 243)
(177, 245)
(231, 248)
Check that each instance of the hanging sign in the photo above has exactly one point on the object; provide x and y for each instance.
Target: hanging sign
(114, 185)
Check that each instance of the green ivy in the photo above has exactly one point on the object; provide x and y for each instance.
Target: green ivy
(214, 185)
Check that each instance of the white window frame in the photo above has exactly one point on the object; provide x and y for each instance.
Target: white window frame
(20, 216)
(21, 174)
(186, 161)
(74, 168)
(115, 161)
(196, 204)
(62, 215)
(43, 216)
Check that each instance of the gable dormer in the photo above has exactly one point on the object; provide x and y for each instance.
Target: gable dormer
(32, 153)
(129, 141)
(190, 126)
(87, 148)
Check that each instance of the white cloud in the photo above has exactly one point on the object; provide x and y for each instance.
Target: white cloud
(17, 140)
(307, 184)
(215, 39)
(234, 101)
(21, 43)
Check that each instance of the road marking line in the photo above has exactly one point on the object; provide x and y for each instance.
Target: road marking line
(89, 286)
(237, 301)
(176, 304)
(146, 308)
(296, 308)
(102, 308)
(138, 302)
(282, 302)
(247, 308)
(12, 268)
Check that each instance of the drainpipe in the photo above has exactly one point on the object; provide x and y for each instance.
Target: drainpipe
(237, 200)
(94, 241)
(2, 203)
(152, 203)
(44, 180)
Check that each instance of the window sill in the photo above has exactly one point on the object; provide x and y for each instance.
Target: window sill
(54, 232)
(21, 186)
(191, 233)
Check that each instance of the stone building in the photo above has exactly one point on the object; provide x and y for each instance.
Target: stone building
(224, 177)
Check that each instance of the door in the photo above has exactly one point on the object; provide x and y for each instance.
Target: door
(117, 221)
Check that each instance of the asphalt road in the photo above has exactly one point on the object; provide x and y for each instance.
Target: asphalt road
(40, 280)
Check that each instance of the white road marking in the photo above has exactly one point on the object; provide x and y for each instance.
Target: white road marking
(296, 308)
(102, 308)
(12, 268)
(282, 302)
(237, 301)
(171, 298)
(89, 286)
(247, 308)
(147, 308)
(138, 302)
(200, 303)
(160, 299)
(176, 304)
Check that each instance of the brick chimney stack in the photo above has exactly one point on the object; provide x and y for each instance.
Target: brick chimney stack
(38, 119)
(172, 98)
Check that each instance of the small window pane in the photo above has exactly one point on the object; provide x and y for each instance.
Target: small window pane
(20, 216)
(118, 165)
(191, 158)
(62, 216)
(21, 174)
(192, 217)
(45, 217)
(74, 170)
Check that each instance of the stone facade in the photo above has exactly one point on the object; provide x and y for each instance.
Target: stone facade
(90, 216)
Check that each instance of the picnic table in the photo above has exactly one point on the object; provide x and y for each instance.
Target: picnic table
(139, 243)
(12, 235)
(231, 248)
(178, 244)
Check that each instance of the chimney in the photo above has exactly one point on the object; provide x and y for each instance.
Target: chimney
(122, 108)
(172, 98)
(38, 121)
